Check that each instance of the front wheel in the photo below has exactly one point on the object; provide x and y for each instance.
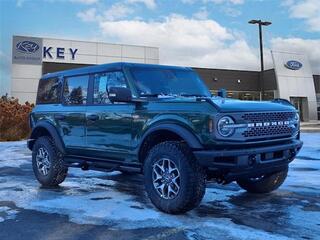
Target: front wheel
(47, 162)
(265, 183)
(174, 181)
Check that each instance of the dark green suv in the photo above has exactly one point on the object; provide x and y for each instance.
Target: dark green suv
(163, 122)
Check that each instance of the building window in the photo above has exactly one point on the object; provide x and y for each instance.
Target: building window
(76, 90)
(242, 95)
(269, 95)
(318, 104)
(102, 84)
(49, 91)
(247, 95)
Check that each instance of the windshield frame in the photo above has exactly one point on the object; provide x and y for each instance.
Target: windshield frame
(205, 92)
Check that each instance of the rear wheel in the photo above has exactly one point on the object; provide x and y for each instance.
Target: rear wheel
(265, 183)
(47, 162)
(174, 181)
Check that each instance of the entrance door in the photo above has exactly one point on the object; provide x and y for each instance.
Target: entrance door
(301, 105)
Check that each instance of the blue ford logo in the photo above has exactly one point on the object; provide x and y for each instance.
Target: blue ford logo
(27, 47)
(293, 65)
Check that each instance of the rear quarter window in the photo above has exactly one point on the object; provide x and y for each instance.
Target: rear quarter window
(76, 90)
(49, 91)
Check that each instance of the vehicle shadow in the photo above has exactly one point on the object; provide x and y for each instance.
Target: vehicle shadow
(267, 212)
(131, 184)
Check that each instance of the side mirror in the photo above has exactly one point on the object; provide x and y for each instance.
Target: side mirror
(119, 94)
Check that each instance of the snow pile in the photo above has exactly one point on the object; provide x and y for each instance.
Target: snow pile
(14, 154)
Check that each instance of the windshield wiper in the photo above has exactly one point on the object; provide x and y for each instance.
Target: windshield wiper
(157, 95)
(192, 95)
(150, 95)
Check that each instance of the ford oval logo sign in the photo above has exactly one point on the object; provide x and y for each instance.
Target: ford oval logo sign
(27, 47)
(293, 65)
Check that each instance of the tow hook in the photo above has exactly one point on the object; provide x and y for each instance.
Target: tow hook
(252, 160)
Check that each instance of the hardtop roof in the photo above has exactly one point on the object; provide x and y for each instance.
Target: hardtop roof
(108, 67)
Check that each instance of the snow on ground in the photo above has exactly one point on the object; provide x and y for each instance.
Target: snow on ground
(119, 201)
(7, 213)
(14, 154)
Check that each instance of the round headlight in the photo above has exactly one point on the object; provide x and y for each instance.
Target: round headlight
(224, 127)
(297, 117)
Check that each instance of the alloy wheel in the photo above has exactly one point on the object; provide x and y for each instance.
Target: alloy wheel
(166, 178)
(43, 162)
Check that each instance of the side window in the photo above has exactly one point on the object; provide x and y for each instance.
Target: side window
(102, 84)
(76, 90)
(49, 91)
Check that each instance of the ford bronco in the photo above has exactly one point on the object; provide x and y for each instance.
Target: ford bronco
(163, 122)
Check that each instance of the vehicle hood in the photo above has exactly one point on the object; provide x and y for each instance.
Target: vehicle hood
(234, 105)
(231, 105)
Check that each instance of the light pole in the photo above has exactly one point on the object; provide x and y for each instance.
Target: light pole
(261, 23)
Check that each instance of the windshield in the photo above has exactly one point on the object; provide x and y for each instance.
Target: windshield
(175, 82)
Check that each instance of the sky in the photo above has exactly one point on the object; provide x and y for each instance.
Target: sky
(196, 33)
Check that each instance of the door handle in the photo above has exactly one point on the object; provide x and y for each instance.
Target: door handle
(93, 117)
(59, 116)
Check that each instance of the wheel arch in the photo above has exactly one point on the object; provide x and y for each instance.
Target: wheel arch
(166, 132)
(45, 128)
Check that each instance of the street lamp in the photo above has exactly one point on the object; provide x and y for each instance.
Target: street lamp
(261, 23)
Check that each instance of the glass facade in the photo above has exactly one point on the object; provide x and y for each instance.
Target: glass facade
(269, 95)
(248, 95)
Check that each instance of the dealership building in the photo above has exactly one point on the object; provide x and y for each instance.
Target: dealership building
(291, 78)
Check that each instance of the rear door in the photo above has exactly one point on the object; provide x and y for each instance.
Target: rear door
(109, 125)
(71, 119)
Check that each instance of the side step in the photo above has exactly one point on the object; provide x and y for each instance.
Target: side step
(100, 165)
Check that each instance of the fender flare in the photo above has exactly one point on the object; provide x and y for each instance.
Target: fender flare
(182, 132)
(282, 101)
(51, 130)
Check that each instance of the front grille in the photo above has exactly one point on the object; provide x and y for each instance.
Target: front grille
(268, 131)
(269, 124)
(268, 116)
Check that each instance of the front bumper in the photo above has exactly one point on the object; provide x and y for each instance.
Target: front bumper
(249, 161)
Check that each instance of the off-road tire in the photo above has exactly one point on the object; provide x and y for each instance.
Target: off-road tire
(266, 184)
(192, 177)
(58, 171)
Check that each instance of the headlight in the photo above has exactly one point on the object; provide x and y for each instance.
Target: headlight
(297, 117)
(224, 127)
(296, 123)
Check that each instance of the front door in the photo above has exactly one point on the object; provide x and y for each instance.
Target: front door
(109, 125)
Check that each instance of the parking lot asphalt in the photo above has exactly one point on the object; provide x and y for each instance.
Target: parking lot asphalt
(98, 205)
